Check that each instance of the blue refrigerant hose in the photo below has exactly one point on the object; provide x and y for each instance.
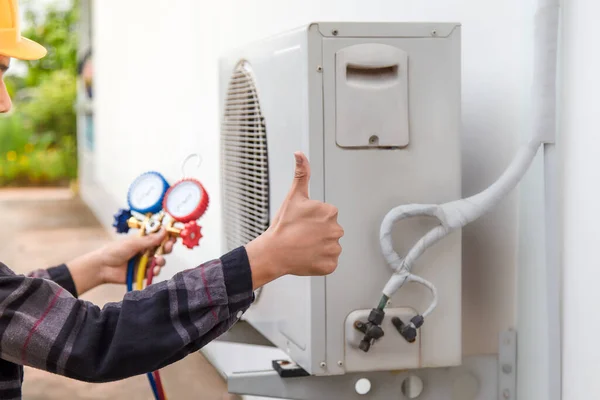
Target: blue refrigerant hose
(130, 275)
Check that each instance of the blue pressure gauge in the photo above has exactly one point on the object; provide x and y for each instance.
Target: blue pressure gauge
(146, 193)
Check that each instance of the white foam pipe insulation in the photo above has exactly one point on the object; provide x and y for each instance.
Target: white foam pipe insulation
(456, 214)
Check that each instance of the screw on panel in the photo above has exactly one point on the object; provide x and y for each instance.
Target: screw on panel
(340, 363)
(434, 33)
(323, 365)
(319, 68)
(373, 139)
(334, 32)
(507, 369)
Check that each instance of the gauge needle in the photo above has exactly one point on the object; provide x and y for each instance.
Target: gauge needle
(183, 202)
(146, 194)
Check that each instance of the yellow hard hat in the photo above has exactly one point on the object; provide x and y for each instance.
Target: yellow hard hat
(12, 44)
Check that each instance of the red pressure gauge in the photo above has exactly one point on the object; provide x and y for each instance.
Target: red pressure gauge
(186, 200)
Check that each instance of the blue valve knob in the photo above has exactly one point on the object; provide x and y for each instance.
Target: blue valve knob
(121, 218)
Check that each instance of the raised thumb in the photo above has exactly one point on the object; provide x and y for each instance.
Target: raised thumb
(301, 175)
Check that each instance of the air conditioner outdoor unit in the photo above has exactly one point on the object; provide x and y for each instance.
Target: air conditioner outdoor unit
(376, 109)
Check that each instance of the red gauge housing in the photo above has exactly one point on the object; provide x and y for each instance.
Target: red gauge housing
(198, 211)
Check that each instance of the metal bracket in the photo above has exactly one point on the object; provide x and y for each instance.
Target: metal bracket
(490, 377)
(476, 379)
(507, 365)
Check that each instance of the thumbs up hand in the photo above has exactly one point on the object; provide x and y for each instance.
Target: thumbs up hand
(303, 238)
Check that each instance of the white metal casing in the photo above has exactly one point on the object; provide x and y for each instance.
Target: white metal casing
(295, 75)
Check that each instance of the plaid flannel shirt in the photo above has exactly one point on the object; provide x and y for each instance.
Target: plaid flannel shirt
(44, 325)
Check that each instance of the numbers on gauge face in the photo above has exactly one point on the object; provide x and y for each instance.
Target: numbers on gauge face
(186, 200)
(146, 192)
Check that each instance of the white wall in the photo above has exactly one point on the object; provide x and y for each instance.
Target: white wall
(156, 101)
(581, 143)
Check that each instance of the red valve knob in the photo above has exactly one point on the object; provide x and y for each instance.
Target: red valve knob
(190, 235)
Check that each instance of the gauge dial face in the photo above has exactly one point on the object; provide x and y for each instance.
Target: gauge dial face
(146, 192)
(184, 199)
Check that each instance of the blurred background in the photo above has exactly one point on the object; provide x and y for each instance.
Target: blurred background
(38, 140)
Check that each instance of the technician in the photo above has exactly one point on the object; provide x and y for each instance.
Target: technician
(44, 325)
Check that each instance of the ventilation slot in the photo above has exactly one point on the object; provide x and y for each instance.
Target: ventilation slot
(245, 169)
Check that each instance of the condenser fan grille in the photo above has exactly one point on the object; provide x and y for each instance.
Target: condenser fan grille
(245, 169)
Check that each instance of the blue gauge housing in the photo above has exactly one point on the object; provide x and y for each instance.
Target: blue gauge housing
(155, 205)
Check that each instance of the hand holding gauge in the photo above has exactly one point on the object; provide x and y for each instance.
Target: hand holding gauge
(150, 200)
(150, 197)
(145, 197)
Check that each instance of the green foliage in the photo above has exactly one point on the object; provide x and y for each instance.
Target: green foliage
(52, 111)
(38, 140)
(55, 29)
(14, 84)
(13, 135)
(34, 159)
